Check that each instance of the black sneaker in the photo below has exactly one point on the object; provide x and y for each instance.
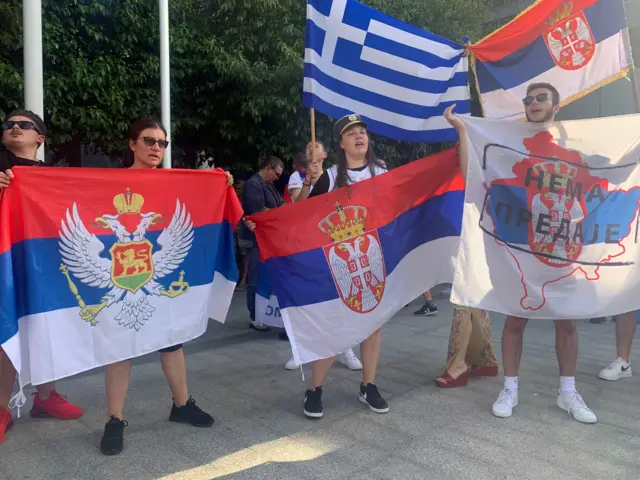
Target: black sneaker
(369, 394)
(427, 309)
(191, 414)
(313, 403)
(112, 441)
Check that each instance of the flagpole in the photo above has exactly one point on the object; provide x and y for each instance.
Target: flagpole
(165, 82)
(312, 114)
(32, 51)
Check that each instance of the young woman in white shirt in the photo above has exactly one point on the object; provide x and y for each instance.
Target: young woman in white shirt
(355, 162)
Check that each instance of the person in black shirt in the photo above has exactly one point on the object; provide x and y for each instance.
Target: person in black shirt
(23, 132)
(259, 194)
(147, 144)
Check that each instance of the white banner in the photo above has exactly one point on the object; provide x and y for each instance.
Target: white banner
(550, 226)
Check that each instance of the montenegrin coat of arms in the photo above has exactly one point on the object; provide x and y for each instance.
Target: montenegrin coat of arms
(133, 271)
(355, 258)
(569, 38)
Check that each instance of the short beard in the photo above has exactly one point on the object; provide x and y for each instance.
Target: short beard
(547, 118)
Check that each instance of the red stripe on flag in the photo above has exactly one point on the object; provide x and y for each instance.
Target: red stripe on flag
(295, 228)
(38, 199)
(523, 30)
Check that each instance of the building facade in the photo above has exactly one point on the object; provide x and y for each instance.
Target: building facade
(617, 98)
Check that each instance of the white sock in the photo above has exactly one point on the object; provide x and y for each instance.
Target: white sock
(568, 385)
(623, 362)
(511, 384)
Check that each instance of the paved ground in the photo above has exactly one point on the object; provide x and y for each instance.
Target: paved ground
(260, 432)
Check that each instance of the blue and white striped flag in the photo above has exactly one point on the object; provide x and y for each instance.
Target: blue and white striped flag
(397, 76)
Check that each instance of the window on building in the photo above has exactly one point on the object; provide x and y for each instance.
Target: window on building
(493, 25)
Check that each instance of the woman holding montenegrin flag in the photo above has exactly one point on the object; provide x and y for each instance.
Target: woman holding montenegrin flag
(147, 142)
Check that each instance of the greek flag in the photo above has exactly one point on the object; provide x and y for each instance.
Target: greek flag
(396, 76)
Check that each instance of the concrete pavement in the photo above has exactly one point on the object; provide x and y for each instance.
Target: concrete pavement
(260, 433)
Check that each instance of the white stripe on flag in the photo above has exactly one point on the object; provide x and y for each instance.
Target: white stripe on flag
(390, 90)
(375, 113)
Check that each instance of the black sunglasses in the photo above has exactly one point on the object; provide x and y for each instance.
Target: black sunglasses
(150, 142)
(541, 97)
(23, 124)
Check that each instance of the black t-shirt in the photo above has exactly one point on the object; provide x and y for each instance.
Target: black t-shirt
(323, 183)
(9, 160)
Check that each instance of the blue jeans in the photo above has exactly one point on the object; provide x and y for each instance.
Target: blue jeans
(253, 262)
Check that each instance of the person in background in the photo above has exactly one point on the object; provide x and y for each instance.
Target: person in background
(258, 196)
(241, 244)
(315, 164)
(429, 307)
(300, 189)
(625, 331)
(471, 352)
(296, 179)
(147, 143)
(23, 132)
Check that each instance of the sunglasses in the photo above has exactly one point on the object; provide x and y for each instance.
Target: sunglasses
(150, 142)
(541, 97)
(23, 124)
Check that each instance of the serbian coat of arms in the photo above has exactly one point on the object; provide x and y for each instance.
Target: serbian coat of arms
(133, 270)
(569, 38)
(355, 258)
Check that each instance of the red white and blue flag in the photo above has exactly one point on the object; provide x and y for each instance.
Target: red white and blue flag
(342, 264)
(550, 227)
(577, 46)
(100, 265)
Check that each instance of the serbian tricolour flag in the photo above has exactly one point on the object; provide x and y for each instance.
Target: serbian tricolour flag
(343, 263)
(577, 46)
(551, 217)
(100, 265)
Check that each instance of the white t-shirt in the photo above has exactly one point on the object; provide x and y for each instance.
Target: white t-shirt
(296, 181)
(354, 176)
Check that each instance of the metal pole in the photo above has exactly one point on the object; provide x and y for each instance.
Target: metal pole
(32, 51)
(165, 82)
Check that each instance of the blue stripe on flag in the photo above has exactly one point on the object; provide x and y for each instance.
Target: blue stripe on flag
(348, 56)
(390, 131)
(408, 52)
(376, 100)
(438, 217)
(314, 37)
(36, 269)
(606, 18)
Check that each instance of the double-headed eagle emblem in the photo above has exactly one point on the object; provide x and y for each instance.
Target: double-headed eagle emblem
(355, 258)
(133, 271)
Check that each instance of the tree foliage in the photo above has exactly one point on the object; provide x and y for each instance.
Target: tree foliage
(237, 69)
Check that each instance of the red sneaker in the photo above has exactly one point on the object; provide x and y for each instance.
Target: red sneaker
(5, 422)
(55, 406)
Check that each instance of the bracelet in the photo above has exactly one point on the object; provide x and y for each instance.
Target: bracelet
(305, 184)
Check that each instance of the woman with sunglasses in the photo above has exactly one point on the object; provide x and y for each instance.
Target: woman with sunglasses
(147, 143)
(23, 132)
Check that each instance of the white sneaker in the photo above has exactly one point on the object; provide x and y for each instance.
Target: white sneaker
(618, 369)
(506, 402)
(290, 365)
(575, 406)
(349, 359)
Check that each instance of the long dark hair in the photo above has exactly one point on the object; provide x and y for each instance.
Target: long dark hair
(342, 178)
(136, 128)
